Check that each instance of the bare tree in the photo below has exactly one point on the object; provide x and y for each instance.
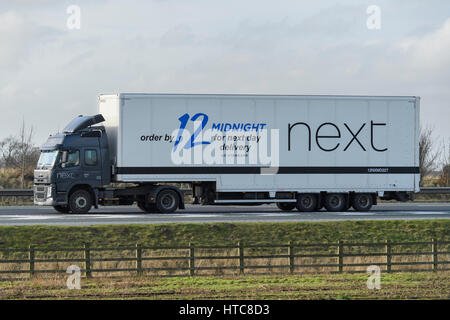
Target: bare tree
(19, 152)
(427, 155)
(445, 175)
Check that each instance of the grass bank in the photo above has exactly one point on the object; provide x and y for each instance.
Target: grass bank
(222, 233)
(393, 286)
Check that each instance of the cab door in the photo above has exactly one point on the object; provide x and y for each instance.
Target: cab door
(68, 171)
(91, 163)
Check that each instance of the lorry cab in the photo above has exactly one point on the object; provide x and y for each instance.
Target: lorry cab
(75, 161)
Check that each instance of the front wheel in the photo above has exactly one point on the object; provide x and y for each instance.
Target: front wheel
(80, 201)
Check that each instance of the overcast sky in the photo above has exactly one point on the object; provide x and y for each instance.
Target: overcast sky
(50, 73)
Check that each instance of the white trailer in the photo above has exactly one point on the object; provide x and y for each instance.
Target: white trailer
(293, 150)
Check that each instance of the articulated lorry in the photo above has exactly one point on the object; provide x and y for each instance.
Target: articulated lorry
(304, 152)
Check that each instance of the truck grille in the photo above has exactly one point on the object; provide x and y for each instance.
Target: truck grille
(40, 193)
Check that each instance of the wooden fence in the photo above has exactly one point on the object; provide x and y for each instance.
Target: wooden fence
(240, 257)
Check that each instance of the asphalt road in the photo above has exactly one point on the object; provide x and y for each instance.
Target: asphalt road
(31, 215)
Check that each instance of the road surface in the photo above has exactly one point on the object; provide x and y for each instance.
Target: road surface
(31, 215)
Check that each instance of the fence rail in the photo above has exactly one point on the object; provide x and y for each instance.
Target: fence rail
(242, 258)
(435, 190)
(16, 192)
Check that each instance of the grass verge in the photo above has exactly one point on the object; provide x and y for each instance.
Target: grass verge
(432, 285)
(223, 233)
(344, 286)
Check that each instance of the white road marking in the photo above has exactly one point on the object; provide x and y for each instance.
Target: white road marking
(24, 217)
(355, 213)
(31, 215)
(44, 217)
(427, 212)
(200, 215)
(104, 216)
(190, 215)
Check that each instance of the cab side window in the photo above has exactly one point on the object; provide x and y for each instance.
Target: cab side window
(73, 159)
(90, 157)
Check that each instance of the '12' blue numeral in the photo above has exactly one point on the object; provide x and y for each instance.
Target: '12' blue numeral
(183, 122)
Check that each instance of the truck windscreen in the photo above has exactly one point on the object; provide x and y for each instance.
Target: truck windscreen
(47, 159)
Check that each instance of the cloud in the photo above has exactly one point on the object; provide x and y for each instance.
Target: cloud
(180, 35)
(13, 37)
(431, 52)
(341, 21)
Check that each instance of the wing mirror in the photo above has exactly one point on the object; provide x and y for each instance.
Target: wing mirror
(63, 159)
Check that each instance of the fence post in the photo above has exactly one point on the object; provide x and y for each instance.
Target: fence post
(291, 257)
(434, 249)
(241, 257)
(191, 259)
(388, 256)
(87, 260)
(31, 259)
(340, 252)
(139, 259)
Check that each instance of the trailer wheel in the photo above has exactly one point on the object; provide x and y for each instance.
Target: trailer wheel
(167, 201)
(285, 206)
(62, 209)
(306, 202)
(362, 202)
(335, 202)
(80, 201)
(149, 208)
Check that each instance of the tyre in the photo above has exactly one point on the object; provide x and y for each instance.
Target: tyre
(362, 202)
(80, 201)
(167, 201)
(285, 206)
(149, 208)
(62, 209)
(335, 202)
(306, 202)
